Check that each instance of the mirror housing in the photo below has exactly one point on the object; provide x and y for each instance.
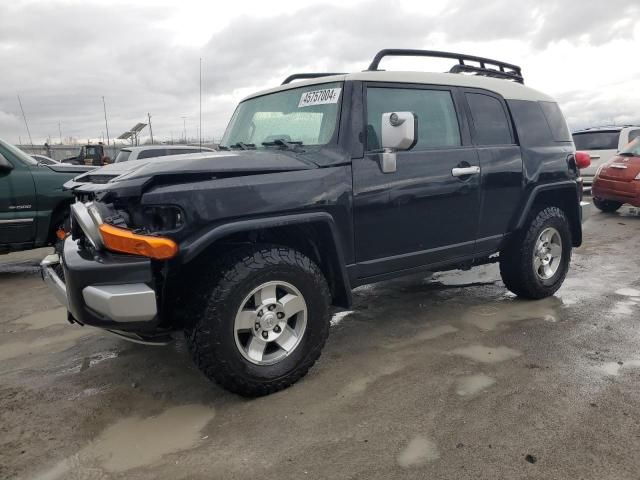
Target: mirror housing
(5, 165)
(399, 132)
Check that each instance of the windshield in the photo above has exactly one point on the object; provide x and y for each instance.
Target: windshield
(603, 140)
(123, 156)
(307, 114)
(16, 152)
(632, 148)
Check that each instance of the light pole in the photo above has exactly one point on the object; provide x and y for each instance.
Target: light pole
(184, 128)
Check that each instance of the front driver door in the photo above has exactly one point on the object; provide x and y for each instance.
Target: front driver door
(17, 202)
(423, 213)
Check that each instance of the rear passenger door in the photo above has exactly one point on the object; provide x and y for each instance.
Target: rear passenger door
(501, 181)
(421, 213)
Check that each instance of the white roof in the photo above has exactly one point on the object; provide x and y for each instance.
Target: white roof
(507, 88)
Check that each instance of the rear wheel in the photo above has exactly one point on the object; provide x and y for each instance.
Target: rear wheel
(261, 321)
(606, 205)
(535, 262)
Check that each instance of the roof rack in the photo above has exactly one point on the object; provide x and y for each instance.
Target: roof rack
(299, 76)
(487, 67)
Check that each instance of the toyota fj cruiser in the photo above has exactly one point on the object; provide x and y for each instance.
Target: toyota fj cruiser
(325, 184)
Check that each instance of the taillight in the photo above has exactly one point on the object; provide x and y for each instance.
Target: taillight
(583, 159)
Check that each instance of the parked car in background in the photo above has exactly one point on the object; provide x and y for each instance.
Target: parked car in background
(151, 151)
(602, 144)
(618, 181)
(45, 160)
(33, 205)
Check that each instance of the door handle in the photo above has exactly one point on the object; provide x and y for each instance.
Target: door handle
(464, 171)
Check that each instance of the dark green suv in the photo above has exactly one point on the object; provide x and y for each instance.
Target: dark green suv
(32, 203)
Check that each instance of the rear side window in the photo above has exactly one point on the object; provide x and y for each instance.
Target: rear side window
(601, 140)
(556, 121)
(633, 134)
(182, 151)
(489, 120)
(154, 152)
(437, 119)
(123, 156)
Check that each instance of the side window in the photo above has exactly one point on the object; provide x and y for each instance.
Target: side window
(556, 121)
(152, 152)
(633, 134)
(437, 120)
(489, 119)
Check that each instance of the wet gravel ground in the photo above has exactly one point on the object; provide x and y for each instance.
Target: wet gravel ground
(443, 376)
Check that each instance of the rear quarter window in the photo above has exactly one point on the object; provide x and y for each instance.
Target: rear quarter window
(531, 123)
(123, 156)
(556, 121)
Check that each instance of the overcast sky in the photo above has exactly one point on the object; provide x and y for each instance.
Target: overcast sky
(62, 56)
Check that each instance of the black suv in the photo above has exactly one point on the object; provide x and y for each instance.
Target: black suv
(324, 184)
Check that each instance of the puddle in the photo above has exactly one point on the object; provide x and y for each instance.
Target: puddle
(135, 442)
(428, 334)
(474, 384)
(613, 368)
(43, 345)
(480, 353)
(628, 292)
(40, 320)
(488, 317)
(419, 450)
(624, 308)
(338, 317)
(359, 385)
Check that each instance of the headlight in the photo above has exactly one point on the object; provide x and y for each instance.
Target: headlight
(637, 177)
(88, 219)
(156, 218)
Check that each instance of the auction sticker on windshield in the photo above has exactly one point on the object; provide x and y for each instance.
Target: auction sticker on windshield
(319, 97)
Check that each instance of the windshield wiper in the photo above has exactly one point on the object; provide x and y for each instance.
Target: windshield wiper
(240, 145)
(289, 145)
(626, 154)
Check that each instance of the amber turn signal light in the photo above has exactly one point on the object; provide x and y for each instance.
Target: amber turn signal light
(125, 241)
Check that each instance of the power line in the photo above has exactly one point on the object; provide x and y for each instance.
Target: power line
(25, 121)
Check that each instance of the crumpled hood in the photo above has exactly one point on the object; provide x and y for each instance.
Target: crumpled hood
(207, 164)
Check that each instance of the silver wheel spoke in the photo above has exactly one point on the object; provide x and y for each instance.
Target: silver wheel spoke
(537, 263)
(555, 250)
(292, 304)
(287, 339)
(266, 295)
(255, 349)
(245, 320)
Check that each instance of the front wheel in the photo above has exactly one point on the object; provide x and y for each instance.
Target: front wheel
(262, 320)
(535, 262)
(608, 206)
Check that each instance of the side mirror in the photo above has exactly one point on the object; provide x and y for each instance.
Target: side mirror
(5, 165)
(399, 132)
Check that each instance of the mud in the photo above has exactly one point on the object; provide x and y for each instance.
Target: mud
(434, 376)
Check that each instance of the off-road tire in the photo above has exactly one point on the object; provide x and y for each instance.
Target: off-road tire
(607, 206)
(223, 286)
(516, 258)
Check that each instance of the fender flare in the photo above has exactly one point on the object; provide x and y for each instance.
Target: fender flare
(575, 215)
(191, 250)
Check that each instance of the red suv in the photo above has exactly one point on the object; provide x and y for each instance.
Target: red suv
(618, 180)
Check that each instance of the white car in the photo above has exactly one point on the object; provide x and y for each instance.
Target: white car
(602, 144)
(151, 151)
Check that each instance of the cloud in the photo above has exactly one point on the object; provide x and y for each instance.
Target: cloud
(63, 56)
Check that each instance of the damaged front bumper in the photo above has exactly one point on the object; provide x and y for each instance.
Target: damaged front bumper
(105, 290)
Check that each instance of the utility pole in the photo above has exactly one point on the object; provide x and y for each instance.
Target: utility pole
(184, 128)
(25, 121)
(104, 106)
(60, 132)
(200, 132)
(150, 129)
